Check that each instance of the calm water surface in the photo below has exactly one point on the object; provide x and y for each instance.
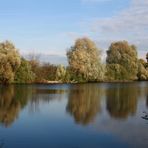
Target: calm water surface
(74, 116)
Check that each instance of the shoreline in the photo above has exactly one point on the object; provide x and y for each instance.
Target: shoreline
(59, 82)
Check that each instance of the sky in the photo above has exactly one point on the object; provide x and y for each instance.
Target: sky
(50, 27)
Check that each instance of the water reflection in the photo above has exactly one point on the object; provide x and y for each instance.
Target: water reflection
(2, 144)
(9, 106)
(147, 101)
(101, 106)
(11, 101)
(42, 95)
(14, 98)
(122, 101)
(84, 103)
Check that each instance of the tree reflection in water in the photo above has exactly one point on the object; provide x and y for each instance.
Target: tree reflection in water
(122, 101)
(84, 100)
(45, 96)
(14, 98)
(11, 101)
(84, 103)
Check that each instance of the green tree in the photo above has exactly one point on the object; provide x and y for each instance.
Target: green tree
(9, 62)
(122, 61)
(24, 73)
(84, 60)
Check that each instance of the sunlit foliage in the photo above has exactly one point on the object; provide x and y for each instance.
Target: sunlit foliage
(9, 62)
(84, 60)
(60, 73)
(142, 71)
(122, 62)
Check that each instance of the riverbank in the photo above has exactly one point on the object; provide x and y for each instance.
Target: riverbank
(74, 82)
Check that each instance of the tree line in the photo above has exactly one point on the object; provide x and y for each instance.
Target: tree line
(85, 65)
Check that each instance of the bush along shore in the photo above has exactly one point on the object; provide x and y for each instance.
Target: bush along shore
(85, 65)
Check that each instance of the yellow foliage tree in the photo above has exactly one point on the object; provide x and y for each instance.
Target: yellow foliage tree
(9, 62)
(125, 55)
(84, 59)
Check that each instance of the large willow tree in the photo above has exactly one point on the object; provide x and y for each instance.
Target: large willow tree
(84, 60)
(122, 61)
(9, 62)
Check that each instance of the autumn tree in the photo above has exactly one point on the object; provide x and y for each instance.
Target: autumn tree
(84, 60)
(9, 62)
(146, 66)
(122, 62)
(142, 71)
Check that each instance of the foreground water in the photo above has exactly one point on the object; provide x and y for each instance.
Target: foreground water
(74, 116)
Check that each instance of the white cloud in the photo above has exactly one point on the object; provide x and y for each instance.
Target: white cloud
(130, 24)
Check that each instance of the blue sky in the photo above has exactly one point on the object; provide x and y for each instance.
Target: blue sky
(51, 26)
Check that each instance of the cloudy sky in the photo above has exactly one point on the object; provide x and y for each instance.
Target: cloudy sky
(51, 26)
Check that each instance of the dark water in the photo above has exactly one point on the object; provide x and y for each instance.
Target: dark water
(74, 116)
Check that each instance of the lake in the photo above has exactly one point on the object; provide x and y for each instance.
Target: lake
(97, 115)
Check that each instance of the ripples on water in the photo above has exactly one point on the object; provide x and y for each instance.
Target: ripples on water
(74, 116)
